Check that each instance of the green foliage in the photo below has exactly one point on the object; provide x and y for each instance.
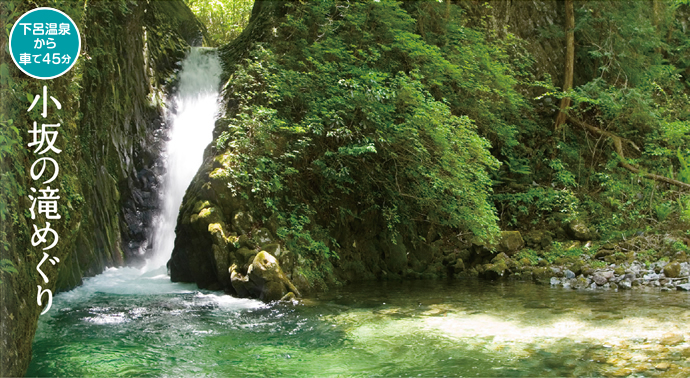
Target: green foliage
(531, 255)
(536, 204)
(224, 19)
(350, 117)
(684, 206)
(7, 266)
(558, 250)
(663, 210)
(552, 253)
(631, 81)
(684, 167)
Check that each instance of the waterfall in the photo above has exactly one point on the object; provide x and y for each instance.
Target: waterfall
(195, 106)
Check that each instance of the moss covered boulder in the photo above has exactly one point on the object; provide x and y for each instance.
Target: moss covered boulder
(672, 270)
(264, 279)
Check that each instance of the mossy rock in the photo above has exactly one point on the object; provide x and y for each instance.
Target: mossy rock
(578, 230)
(494, 271)
(672, 270)
(542, 274)
(263, 236)
(459, 266)
(246, 242)
(273, 248)
(244, 254)
(511, 242)
(538, 239)
(565, 261)
(242, 222)
(576, 266)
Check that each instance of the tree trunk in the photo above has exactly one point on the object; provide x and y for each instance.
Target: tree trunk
(569, 61)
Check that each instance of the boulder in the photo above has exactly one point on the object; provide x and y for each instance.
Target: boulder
(538, 239)
(511, 242)
(672, 270)
(577, 229)
(599, 278)
(264, 279)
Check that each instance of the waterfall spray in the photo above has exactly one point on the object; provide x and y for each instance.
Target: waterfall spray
(196, 106)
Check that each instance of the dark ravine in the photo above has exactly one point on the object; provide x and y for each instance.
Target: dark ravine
(113, 125)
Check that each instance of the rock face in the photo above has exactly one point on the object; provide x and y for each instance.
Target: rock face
(264, 279)
(108, 160)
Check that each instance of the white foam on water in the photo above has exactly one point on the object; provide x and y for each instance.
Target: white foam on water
(196, 108)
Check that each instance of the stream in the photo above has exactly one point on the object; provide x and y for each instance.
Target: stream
(135, 322)
(121, 323)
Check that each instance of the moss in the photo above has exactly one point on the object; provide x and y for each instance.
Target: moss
(200, 205)
(105, 117)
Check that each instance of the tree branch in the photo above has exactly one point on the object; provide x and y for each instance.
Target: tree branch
(618, 145)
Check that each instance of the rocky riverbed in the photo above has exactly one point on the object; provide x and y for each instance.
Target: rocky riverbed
(660, 275)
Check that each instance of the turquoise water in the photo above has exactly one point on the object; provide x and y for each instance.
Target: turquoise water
(127, 324)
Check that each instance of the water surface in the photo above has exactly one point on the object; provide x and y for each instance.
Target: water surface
(147, 326)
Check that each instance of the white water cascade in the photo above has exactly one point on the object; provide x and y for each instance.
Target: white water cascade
(194, 109)
(196, 106)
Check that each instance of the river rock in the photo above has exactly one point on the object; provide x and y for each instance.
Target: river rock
(555, 281)
(672, 270)
(671, 338)
(608, 274)
(599, 278)
(603, 253)
(569, 274)
(264, 279)
(684, 269)
(582, 282)
(625, 285)
(684, 287)
(569, 283)
(622, 372)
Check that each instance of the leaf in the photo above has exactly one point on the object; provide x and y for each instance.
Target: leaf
(7, 266)
(30, 97)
